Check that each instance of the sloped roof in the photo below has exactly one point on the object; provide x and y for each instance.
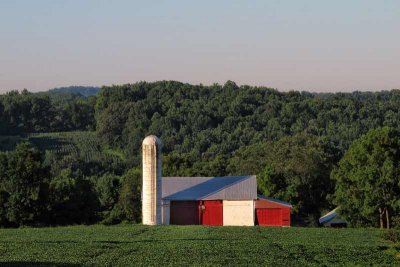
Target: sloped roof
(281, 202)
(329, 216)
(209, 188)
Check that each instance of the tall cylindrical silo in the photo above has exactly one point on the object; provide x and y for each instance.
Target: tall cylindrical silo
(151, 201)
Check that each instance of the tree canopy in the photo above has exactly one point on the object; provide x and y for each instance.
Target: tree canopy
(297, 170)
(23, 186)
(25, 112)
(368, 179)
(198, 122)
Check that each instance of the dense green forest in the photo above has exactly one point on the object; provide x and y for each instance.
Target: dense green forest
(292, 140)
(199, 123)
(25, 112)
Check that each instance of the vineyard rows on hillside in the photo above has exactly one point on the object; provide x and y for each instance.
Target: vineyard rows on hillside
(64, 145)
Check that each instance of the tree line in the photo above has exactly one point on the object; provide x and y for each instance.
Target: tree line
(25, 112)
(203, 122)
(33, 194)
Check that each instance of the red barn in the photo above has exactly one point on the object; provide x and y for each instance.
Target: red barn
(215, 201)
(229, 200)
(272, 212)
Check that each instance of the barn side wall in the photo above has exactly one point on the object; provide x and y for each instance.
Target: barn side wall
(271, 213)
(238, 212)
(166, 211)
(335, 220)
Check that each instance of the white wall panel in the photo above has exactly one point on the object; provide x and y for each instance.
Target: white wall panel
(238, 212)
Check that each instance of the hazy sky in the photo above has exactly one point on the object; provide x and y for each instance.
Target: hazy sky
(304, 45)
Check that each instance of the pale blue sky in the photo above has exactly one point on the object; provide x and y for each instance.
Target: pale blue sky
(313, 45)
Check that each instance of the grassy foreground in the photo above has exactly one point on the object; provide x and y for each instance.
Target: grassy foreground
(135, 245)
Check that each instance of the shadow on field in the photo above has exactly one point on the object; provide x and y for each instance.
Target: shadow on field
(165, 240)
(36, 264)
(123, 242)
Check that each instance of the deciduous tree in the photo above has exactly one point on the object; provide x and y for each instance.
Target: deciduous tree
(368, 179)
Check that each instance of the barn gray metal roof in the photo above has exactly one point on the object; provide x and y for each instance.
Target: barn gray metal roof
(209, 188)
(329, 216)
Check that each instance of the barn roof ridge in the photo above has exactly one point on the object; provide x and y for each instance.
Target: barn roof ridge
(246, 177)
(228, 176)
(209, 188)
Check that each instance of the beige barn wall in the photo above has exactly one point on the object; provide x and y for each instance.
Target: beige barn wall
(238, 212)
(165, 211)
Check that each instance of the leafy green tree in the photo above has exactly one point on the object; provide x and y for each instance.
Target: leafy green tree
(25, 112)
(368, 179)
(4, 196)
(108, 188)
(130, 203)
(249, 159)
(72, 199)
(23, 186)
(297, 170)
(214, 167)
(177, 165)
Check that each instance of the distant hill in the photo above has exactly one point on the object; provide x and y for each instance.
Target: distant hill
(77, 90)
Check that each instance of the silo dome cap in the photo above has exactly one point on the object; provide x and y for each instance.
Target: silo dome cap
(152, 140)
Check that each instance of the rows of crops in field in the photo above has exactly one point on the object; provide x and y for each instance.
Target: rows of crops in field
(64, 145)
(137, 245)
(82, 145)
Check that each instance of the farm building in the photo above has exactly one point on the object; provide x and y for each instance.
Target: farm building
(332, 219)
(229, 200)
(272, 212)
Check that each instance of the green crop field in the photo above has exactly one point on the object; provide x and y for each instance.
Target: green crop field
(137, 245)
(65, 145)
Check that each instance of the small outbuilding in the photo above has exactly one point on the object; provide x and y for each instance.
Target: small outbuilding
(332, 219)
(272, 212)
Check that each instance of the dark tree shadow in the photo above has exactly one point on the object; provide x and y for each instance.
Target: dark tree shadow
(36, 264)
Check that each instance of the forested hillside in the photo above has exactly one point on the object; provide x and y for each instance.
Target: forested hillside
(201, 123)
(291, 140)
(26, 112)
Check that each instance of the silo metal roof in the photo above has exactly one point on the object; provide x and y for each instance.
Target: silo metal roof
(209, 188)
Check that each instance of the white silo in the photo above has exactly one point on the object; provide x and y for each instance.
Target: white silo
(151, 202)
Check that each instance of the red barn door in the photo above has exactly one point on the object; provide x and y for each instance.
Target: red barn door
(269, 217)
(211, 212)
(184, 212)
